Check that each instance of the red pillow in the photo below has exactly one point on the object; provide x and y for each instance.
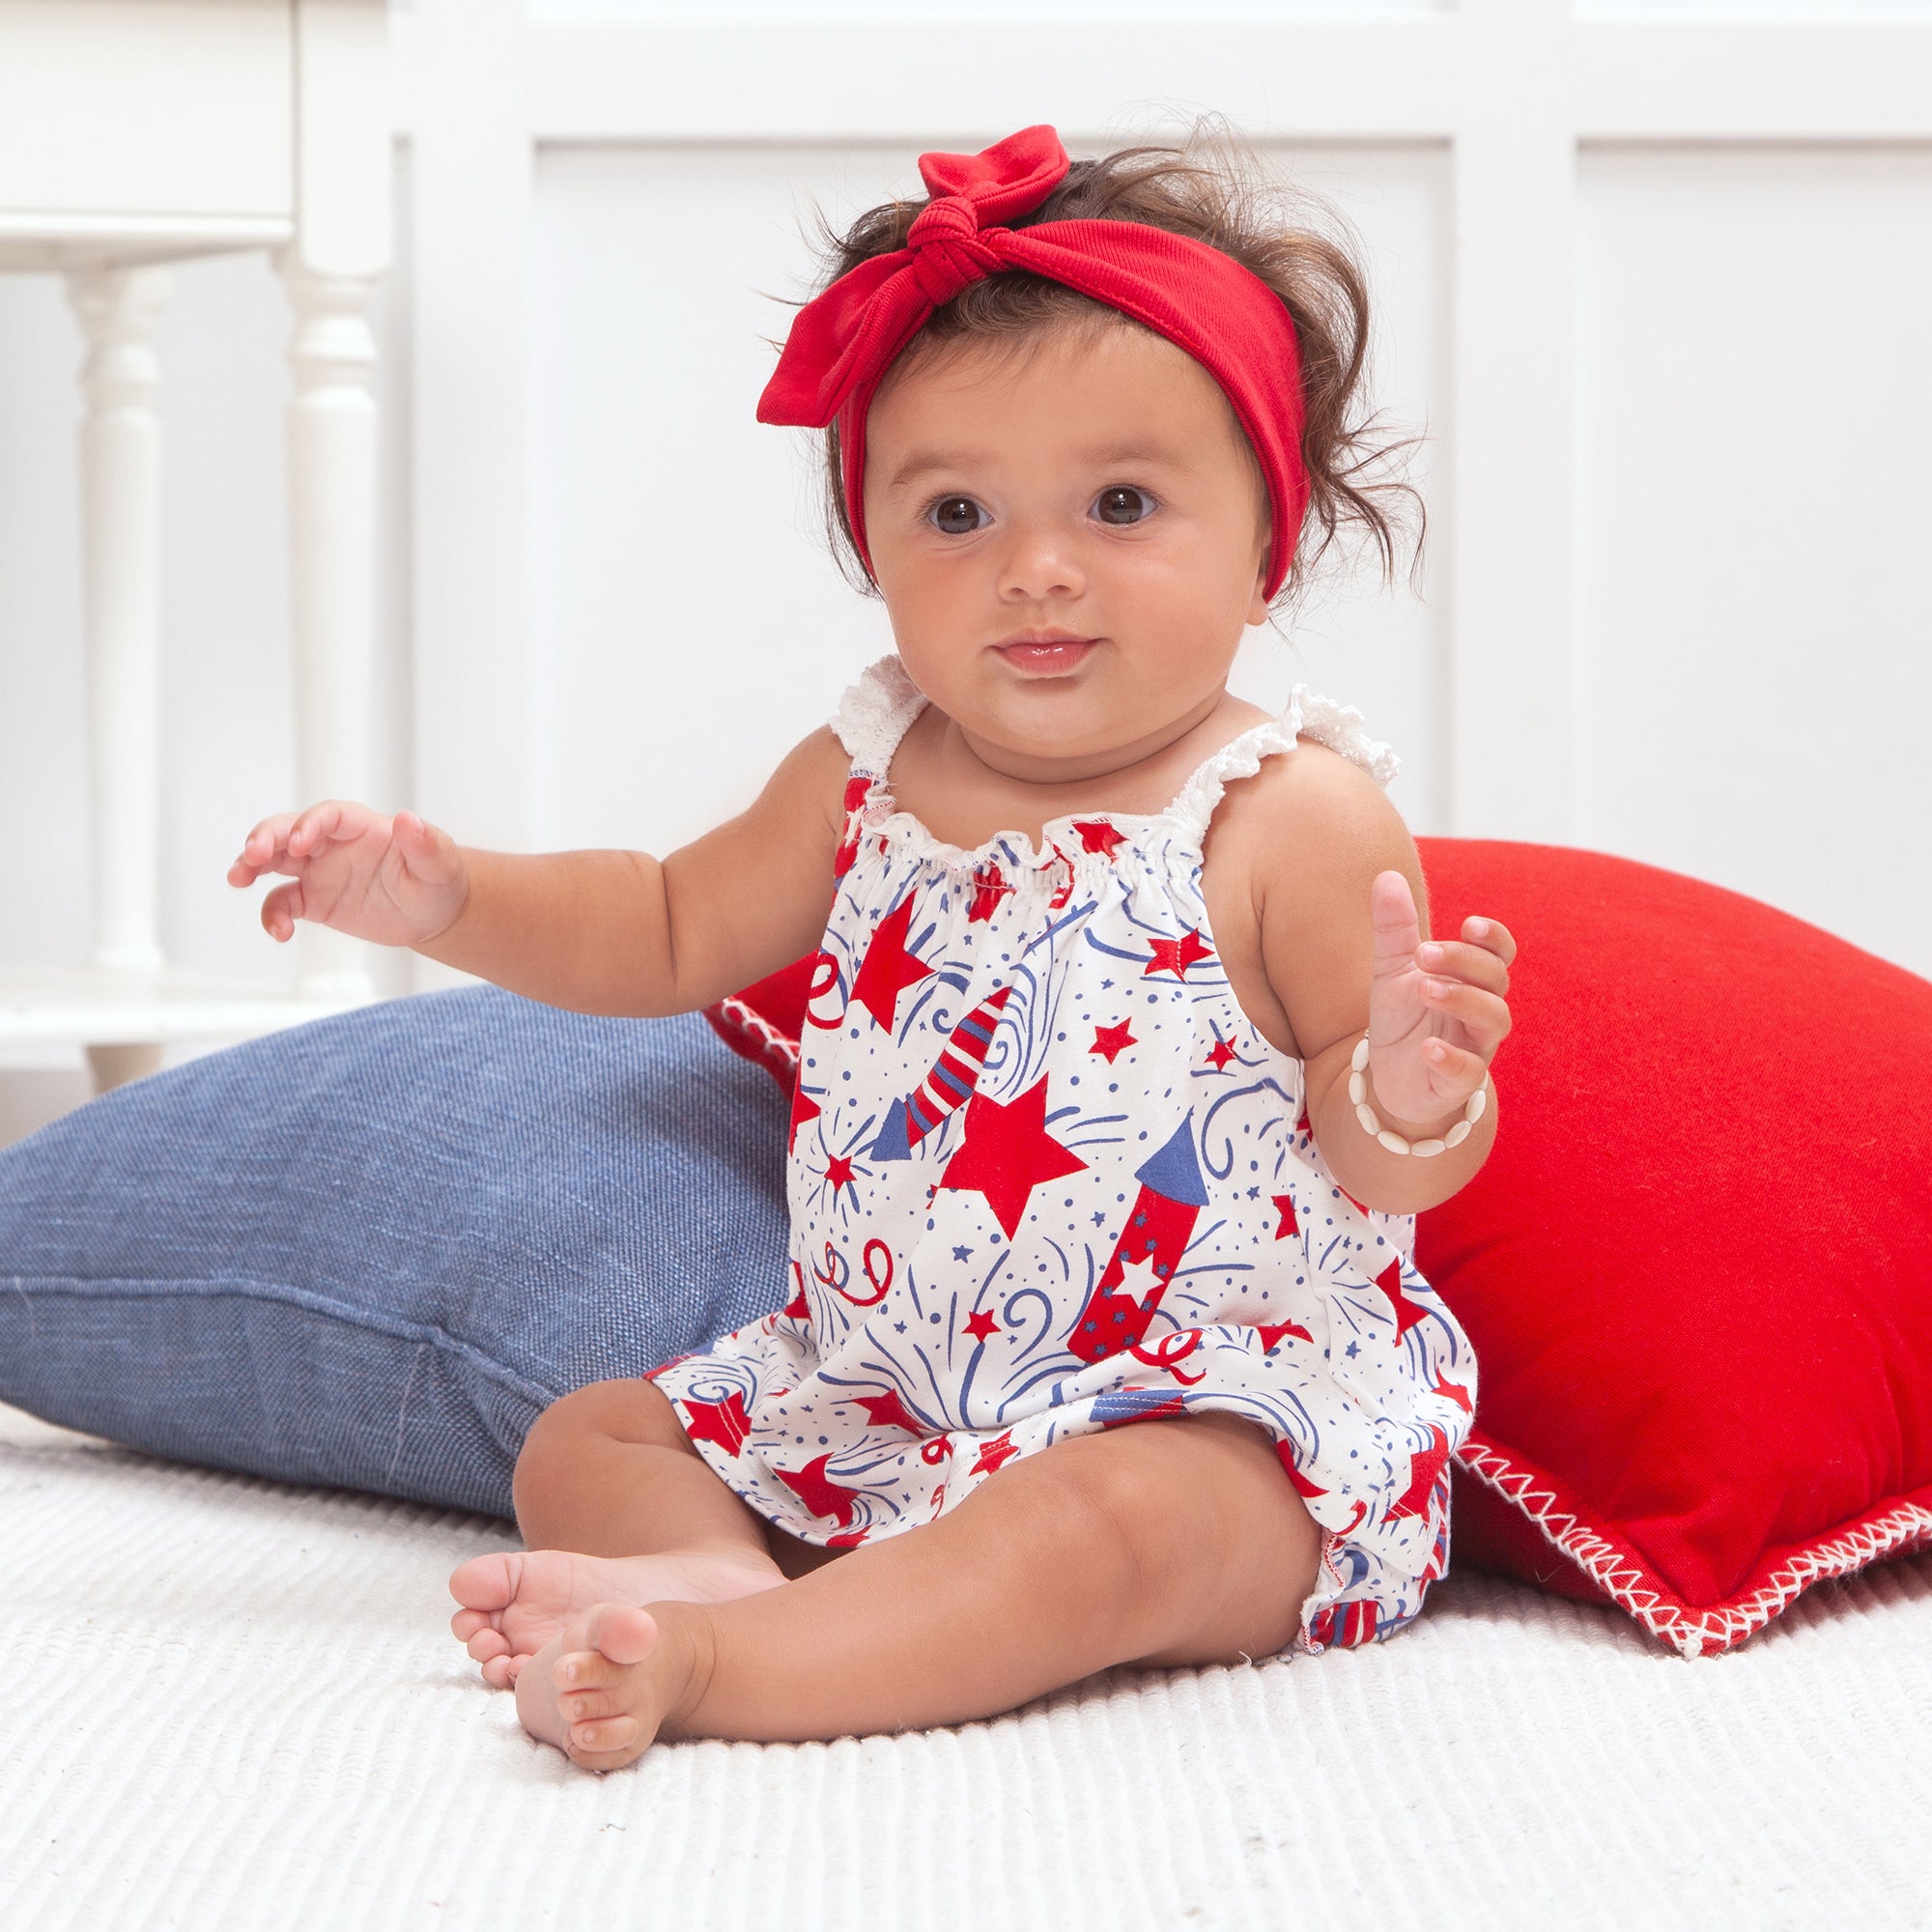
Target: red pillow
(1698, 1265)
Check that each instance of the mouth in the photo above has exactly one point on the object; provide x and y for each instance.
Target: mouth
(1044, 653)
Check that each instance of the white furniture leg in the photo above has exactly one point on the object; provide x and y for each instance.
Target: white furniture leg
(120, 505)
(121, 489)
(332, 573)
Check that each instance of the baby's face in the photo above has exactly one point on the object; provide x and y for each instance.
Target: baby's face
(1069, 543)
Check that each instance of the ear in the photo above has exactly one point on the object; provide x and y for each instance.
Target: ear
(1258, 604)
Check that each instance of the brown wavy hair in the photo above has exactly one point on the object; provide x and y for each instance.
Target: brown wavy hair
(1215, 189)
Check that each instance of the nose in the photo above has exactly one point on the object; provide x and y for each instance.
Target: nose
(1039, 561)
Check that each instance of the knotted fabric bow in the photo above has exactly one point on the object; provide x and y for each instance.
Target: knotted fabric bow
(843, 340)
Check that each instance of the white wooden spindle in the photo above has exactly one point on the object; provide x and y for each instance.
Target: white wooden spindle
(331, 572)
(121, 485)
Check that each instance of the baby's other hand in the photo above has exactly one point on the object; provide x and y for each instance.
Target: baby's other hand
(1436, 1011)
(397, 881)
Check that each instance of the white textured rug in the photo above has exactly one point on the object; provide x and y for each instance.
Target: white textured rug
(234, 1704)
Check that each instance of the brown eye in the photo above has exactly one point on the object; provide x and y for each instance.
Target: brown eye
(957, 516)
(1122, 504)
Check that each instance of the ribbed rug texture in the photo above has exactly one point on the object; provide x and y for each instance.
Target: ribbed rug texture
(232, 1703)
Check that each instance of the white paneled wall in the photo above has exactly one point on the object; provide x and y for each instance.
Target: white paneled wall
(1654, 279)
(1754, 611)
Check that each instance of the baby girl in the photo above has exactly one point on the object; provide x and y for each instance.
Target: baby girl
(1128, 1062)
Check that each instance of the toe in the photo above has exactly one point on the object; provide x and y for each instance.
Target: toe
(623, 1632)
(464, 1623)
(501, 1672)
(583, 1669)
(487, 1583)
(488, 1643)
(603, 1735)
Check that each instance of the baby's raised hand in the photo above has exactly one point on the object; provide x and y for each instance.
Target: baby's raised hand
(396, 881)
(1436, 1012)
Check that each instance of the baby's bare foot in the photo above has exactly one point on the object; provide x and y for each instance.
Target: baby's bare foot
(516, 1602)
(602, 1690)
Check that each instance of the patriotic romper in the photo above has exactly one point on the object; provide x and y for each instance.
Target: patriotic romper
(1046, 1179)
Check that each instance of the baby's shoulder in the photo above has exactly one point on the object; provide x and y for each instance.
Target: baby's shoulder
(1311, 788)
(1311, 821)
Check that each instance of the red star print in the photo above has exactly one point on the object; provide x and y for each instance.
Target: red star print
(1455, 1393)
(1220, 1053)
(1177, 955)
(981, 1324)
(817, 1492)
(989, 887)
(1007, 1153)
(1286, 1225)
(798, 1307)
(1098, 835)
(1285, 1455)
(888, 969)
(1271, 1332)
(839, 1172)
(1362, 1207)
(847, 1539)
(1408, 1312)
(1423, 1467)
(724, 1423)
(1112, 1039)
(803, 1110)
(856, 788)
(1062, 892)
(992, 1453)
(886, 1411)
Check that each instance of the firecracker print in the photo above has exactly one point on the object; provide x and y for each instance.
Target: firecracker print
(1045, 1179)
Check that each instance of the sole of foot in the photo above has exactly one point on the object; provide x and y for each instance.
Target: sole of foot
(514, 1603)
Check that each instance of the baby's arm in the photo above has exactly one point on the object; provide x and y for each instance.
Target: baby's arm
(612, 932)
(1343, 921)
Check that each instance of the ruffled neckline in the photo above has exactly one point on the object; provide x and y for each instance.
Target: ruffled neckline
(879, 710)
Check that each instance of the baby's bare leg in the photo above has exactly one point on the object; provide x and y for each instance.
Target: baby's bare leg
(614, 1505)
(1163, 1543)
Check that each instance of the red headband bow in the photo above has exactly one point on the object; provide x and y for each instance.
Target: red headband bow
(843, 340)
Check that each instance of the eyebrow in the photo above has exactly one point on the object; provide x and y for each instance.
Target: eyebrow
(923, 463)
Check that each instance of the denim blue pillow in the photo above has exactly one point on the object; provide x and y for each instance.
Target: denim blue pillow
(368, 1251)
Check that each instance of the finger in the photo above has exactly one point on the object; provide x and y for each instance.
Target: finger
(265, 843)
(280, 910)
(1493, 934)
(429, 852)
(1487, 1017)
(1452, 960)
(1395, 929)
(320, 822)
(1461, 1070)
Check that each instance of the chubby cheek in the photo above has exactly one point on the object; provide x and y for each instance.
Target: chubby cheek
(942, 610)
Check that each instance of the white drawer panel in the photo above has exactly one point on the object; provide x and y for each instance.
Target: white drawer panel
(151, 109)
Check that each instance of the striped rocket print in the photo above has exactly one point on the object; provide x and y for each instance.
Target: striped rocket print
(948, 1087)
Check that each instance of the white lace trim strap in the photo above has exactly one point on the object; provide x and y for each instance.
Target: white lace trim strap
(1339, 726)
(875, 714)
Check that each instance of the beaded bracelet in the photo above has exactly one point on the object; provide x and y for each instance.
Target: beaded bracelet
(1358, 1093)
